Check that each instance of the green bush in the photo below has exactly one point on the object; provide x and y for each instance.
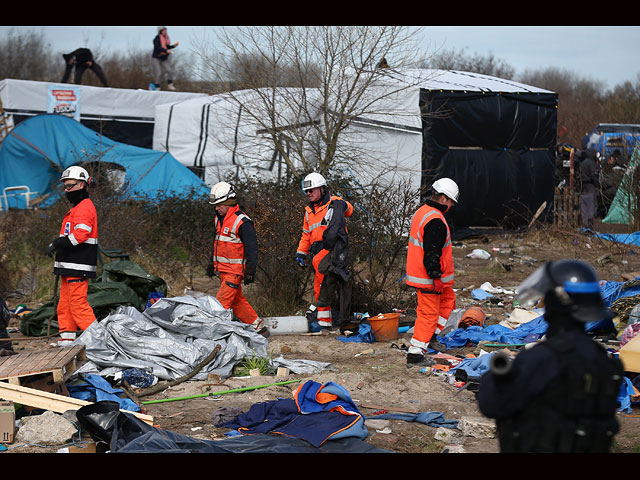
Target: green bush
(172, 239)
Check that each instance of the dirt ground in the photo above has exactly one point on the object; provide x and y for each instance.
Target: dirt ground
(376, 375)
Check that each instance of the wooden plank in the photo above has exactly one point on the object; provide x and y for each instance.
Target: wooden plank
(61, 362)
(51, 401)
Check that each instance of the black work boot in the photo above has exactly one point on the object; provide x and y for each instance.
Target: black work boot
(419, 360)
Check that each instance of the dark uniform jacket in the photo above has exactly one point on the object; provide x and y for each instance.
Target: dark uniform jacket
(559, 396)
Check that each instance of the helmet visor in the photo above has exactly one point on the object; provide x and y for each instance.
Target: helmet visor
(534, 287)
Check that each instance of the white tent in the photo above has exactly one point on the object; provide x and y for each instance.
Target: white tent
(495, 137)
(125, 115)
(223, 136)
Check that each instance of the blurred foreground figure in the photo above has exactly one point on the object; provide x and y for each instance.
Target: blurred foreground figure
(561, 395)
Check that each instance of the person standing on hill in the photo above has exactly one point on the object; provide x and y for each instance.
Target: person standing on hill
(161, 57)
(81, 59)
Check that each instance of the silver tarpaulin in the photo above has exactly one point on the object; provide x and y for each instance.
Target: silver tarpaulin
(170, 338)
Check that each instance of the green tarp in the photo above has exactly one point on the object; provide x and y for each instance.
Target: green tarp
(624, 203)
(121, 282)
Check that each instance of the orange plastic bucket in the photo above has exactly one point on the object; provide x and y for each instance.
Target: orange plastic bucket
(385, 326)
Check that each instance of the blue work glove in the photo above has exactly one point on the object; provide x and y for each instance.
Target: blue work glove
(300, 260)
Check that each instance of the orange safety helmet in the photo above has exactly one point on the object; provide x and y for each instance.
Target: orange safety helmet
(473, 316)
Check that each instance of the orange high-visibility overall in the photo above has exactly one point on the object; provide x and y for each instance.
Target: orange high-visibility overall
(229, 262)
(313, 227)
(433, 309)
(76, 265)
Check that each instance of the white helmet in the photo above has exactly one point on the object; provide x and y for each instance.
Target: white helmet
(75, 173)
(220, 192)
(313, 180)
(447, 187)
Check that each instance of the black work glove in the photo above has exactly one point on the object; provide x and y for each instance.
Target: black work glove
(249, 278)
(211, 272)
(58, 243)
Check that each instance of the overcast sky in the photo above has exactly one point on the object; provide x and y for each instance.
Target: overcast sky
(610, 54)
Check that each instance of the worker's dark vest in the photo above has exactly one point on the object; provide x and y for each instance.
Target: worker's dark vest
(576, 414)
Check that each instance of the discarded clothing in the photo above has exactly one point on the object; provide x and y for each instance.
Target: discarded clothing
(365, 335)
(628, 333)
(474, 367)
(137, 377)
(433, 419)
(122, 432)
(494, 333)
(97, 389)
(317, 413)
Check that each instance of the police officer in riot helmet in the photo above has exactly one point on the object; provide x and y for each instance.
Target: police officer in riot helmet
(561, 394)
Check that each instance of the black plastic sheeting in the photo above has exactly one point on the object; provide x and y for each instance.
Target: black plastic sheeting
(120, 432)
(498, 147)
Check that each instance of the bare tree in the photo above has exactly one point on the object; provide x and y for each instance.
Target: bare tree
(308, 83)
(580, 101)
(477, 63)
(25, 55)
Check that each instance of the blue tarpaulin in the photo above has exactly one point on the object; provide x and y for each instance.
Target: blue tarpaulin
(626, 238)
(97, 389)
(36, 152)
(494, 333)
(433, 419)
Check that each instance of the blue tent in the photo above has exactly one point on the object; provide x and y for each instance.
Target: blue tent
(36, 152)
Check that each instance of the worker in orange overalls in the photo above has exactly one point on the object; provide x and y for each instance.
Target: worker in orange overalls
(76, 256)
(430, 269)
(234, 255)
(324, 245)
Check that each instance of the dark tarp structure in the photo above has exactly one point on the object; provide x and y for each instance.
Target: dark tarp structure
(36, 152)
(498, 146)
(494, 137)
(625, 202)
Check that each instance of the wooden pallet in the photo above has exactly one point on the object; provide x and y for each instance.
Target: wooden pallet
(630, 276)
(61, 363)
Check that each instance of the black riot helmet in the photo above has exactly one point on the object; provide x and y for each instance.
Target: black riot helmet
(569, 287)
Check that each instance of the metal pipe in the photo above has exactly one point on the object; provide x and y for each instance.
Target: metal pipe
(223, 392)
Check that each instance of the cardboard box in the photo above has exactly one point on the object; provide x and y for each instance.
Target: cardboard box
(630, 355)
(7, 421)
